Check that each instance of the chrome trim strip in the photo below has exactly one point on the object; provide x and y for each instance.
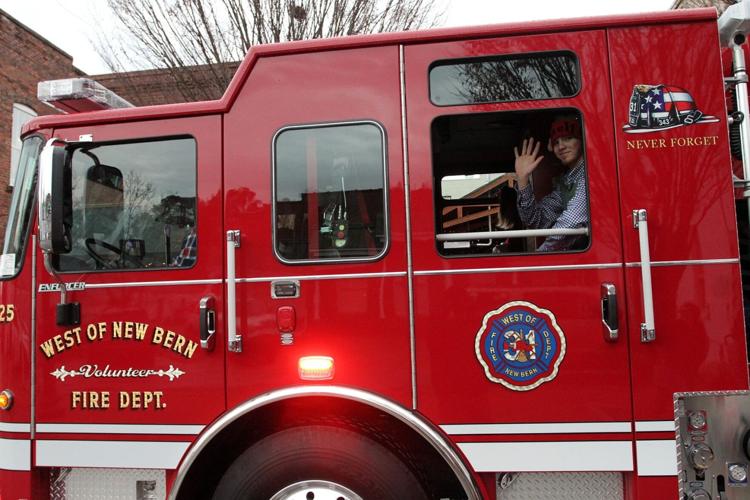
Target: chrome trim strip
(550, 428)
(130, 454)
(656, 457)
(127, 284)
(15, 454)
(407, 204)
(386, 191)
(519, 233)
(15, 427)
(554, 456)
(667, 263)
(414, 421)
(32, 378)
(655, 426)
(188, 430)
(574, 267)
(395, 274)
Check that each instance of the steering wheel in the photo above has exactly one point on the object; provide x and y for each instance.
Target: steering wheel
(103, 263)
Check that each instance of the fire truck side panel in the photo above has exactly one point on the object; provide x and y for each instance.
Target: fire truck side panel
(453, 294)
(355, 312)
(134, 371)
(15, 372)
(681, 176)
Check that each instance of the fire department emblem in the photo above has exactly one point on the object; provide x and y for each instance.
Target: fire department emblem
(520, 346)
(660, 107)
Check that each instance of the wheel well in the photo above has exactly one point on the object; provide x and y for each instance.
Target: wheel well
(416, 453)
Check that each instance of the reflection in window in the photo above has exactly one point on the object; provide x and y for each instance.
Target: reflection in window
(21, 207)
(133, 206)
(477, 198)
(329, 192)
(21, 115)
(504, 78)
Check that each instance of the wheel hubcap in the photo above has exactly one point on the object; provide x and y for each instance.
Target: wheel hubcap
(316, 490)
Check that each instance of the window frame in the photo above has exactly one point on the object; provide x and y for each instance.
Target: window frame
(386, 198)
(495, 57)
(54, 261)
(29, 237)
(437, 194)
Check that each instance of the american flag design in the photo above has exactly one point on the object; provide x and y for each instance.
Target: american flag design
(659, 107)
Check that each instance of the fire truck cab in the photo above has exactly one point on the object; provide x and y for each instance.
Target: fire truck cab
(327, 283)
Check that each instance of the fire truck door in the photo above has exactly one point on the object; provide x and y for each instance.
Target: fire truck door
(145, 273)
(314, 185)
(519, 334)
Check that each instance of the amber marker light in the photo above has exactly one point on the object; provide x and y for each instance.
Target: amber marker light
(6, 400)
(315, 368)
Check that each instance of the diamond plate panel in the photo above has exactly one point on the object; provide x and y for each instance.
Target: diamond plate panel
(561, 486)
(115, 484)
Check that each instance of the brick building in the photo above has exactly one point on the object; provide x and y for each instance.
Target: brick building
(160, 86)
(25, 58)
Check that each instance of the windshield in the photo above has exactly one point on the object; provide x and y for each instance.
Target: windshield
(19, 216)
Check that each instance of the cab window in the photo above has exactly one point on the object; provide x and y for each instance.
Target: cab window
(504, 78)
(133, 206)
(484, 207)
(329, 193)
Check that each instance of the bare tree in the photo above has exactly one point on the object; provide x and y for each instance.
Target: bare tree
(207, 34)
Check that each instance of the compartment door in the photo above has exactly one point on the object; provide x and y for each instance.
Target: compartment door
(679, 173)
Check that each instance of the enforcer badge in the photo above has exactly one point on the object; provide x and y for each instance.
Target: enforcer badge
(520, 346)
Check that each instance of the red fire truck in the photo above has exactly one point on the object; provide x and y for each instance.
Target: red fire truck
(318, 285)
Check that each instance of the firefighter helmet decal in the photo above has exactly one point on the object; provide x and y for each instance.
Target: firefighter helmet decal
(520, 346)
(661, 107)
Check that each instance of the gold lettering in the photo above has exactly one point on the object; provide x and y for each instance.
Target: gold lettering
(117, 329)
(178, 345)
(47, 348)
(138, 400)
(190, 349)
(59, 344)
(169, 339)
(140, 330)
(89, 400)
(158, 335)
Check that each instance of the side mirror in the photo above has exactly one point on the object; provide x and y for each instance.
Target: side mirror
(55, 210)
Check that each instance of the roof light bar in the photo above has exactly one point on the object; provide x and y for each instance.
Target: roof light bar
(78, 95)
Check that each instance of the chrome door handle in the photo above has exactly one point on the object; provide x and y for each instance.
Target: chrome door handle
(208, 323)
(234, 339)
(640, 222)
(609, 313)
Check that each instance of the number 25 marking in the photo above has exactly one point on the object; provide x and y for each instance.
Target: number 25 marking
(7, 313)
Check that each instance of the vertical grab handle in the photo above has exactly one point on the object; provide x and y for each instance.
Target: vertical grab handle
(640, 222)
(234, 339)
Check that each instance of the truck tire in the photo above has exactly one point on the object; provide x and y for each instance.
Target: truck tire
(292, 462)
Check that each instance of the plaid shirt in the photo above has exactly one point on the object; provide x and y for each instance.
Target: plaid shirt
(189, 250)
(566, 207)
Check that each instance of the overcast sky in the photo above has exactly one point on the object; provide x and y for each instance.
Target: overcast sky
(73, 24)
